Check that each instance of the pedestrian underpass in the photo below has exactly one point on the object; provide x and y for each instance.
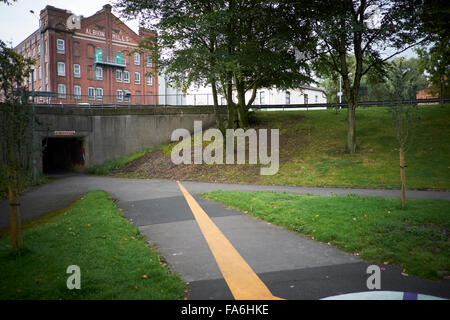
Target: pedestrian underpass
(63, 155)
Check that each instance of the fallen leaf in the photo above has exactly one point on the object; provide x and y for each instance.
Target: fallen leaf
(144, 276)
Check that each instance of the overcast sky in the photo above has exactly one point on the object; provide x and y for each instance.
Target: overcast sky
(17, 23)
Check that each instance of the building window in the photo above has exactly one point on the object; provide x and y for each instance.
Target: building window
(149, 60)
(60, 47)
(149, 80)
(61, 91)
(306, 99)
(99, 94)
(119, 95)
(34, 53)
(126, 96)
(40, 72)
(288, 97)
(76, 70)
(261, 98)
(126, 76)
(91, 93)
(316, 98)
(137, 78)
(77, 92)
(137, 58)
(119, 75)
(61, 69)
(98, 73)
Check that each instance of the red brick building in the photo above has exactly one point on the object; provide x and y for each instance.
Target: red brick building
(93, 60)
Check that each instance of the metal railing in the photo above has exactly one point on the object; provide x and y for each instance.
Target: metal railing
(125, 99)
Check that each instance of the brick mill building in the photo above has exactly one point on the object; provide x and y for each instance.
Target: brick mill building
(93, 60)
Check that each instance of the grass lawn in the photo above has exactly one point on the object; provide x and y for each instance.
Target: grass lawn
(114, 259)
(416, 239)
(312, 153)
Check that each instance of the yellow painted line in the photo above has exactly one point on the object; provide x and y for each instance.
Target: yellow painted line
(240, 277)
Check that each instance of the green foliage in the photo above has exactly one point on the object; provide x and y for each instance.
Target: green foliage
(228, 45)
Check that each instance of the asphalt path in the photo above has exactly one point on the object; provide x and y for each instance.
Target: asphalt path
(290, 265)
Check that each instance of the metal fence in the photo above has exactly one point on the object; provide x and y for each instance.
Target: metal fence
(124, 99)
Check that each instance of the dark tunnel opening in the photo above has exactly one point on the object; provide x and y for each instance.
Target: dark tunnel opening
(62, 155)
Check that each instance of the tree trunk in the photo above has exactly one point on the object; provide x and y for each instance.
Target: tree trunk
(217, 116)
(241, 106)
(402, 175)
(351, 130)
(12, 208)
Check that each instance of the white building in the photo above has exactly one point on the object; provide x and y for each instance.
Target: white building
(196, 95)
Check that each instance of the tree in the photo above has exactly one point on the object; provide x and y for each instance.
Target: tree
(406, 120)
(363, 28)
(16, 117)
(226, 44)
(405, 79)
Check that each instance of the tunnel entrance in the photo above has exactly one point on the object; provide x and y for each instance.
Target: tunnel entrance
(63, 155)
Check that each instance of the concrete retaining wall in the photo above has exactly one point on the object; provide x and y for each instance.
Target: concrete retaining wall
(108, 133)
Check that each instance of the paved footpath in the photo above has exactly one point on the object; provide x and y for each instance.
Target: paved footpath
(223, 253)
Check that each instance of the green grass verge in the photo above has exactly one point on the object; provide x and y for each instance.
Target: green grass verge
(114, 259)
(415, 238)
(117, 163)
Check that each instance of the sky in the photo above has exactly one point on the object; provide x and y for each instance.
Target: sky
(17, 23)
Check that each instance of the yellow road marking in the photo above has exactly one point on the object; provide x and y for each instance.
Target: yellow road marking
(241, 279)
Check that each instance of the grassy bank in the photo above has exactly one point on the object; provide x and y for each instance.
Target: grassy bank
(120, 162)
(114, 260)
(312, 153)
(376, 229)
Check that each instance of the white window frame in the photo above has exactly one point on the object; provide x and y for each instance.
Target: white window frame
(119, 96)
(137, 59)
(98, 75)
(91, 96)
(99, 94)
(61, 69)
(126, 76)
(60, 46)
(119, 75)
(62, 93)
(149, 80)
(75, 73)
(137, 78)
(77, 95)
(149, 60)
